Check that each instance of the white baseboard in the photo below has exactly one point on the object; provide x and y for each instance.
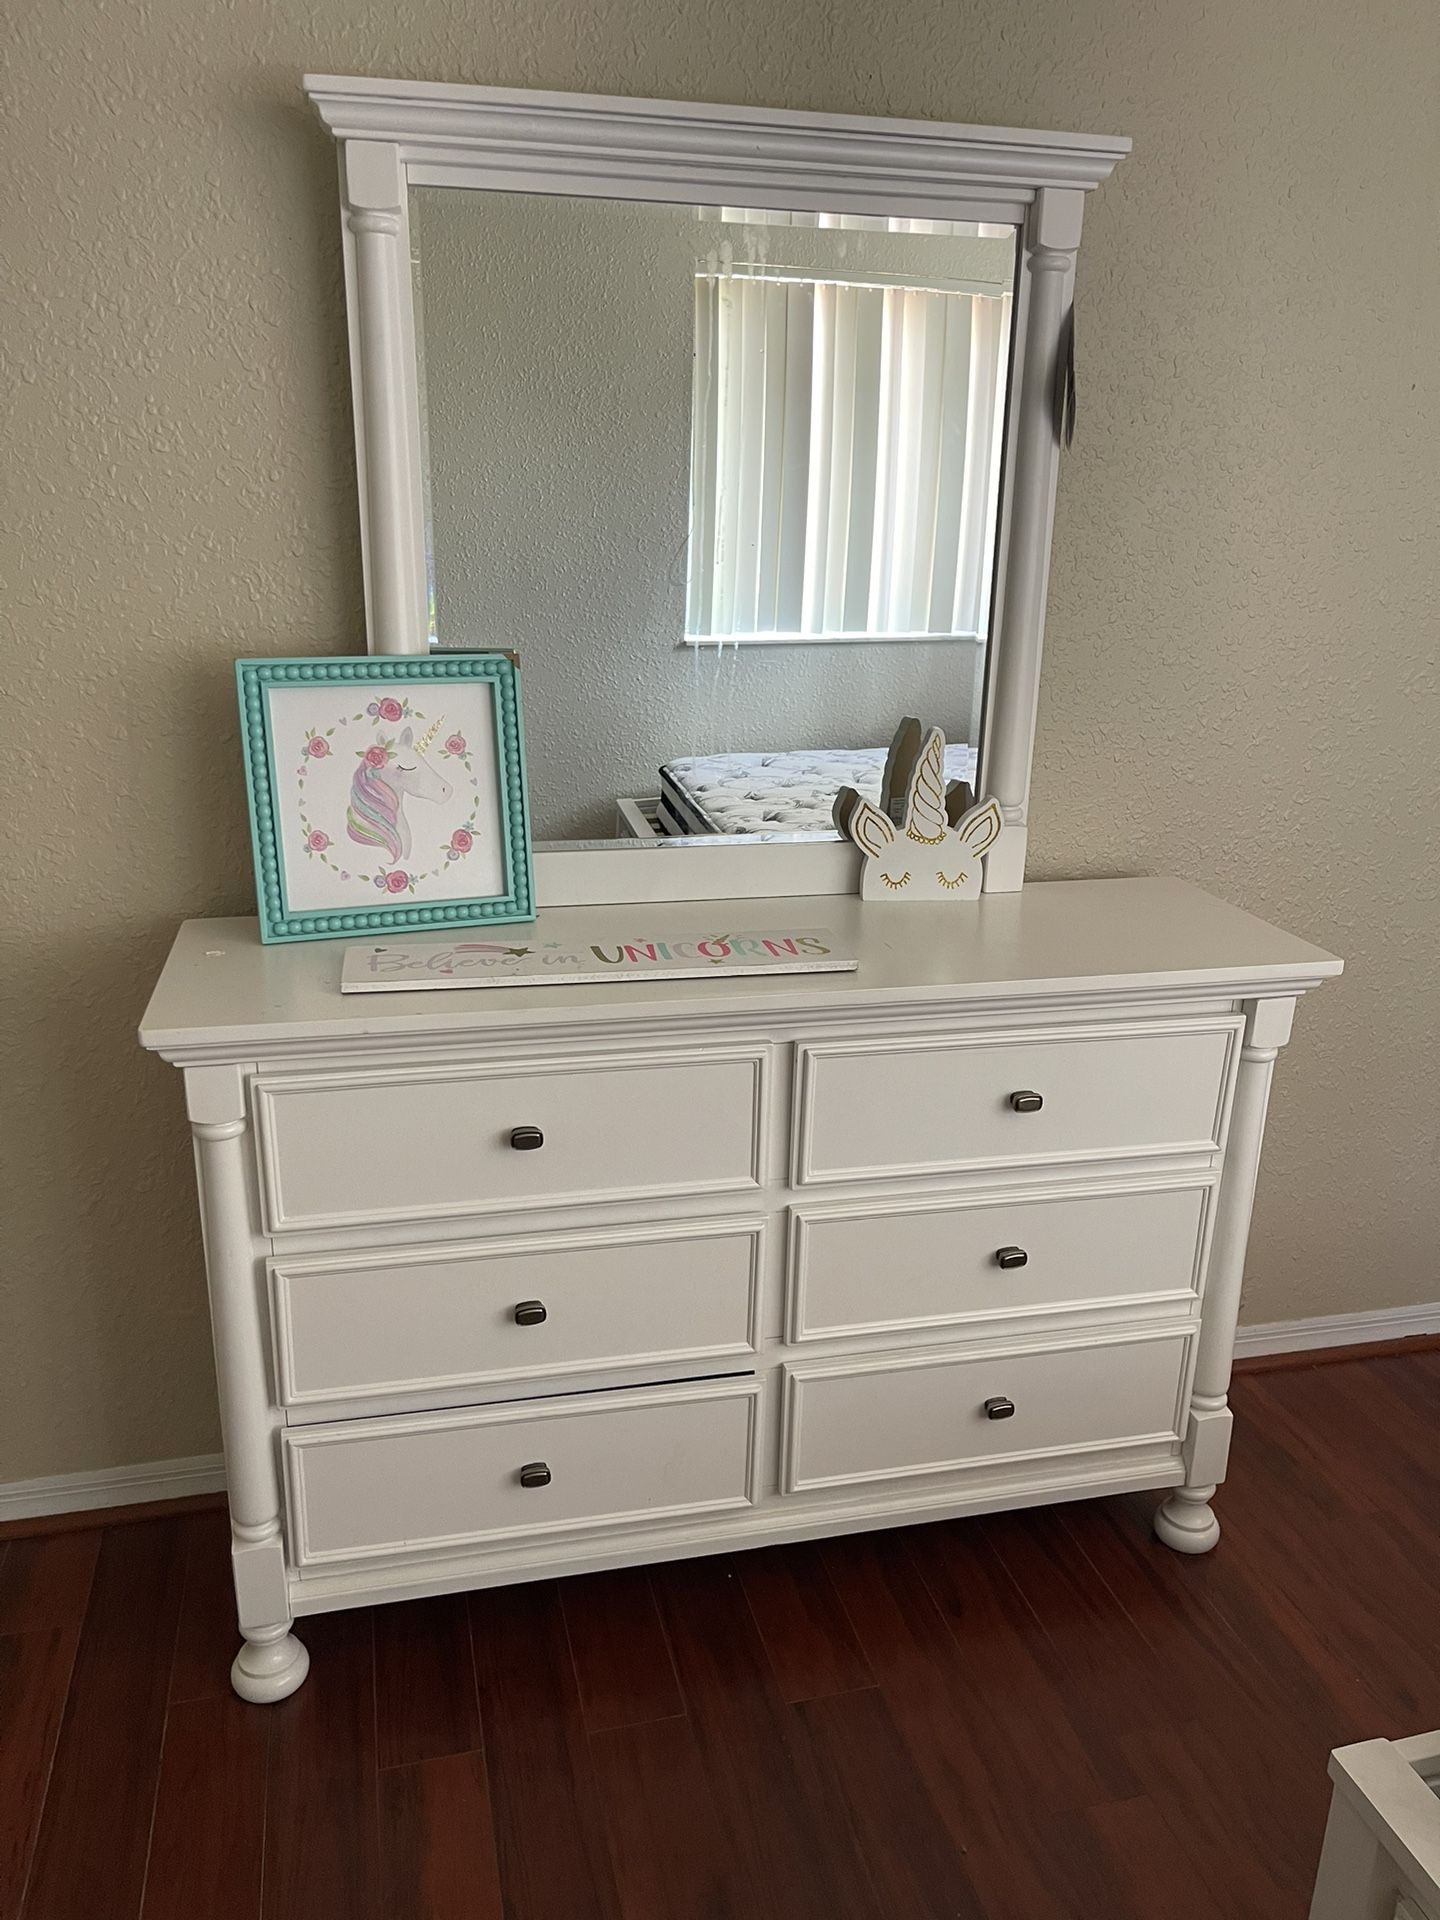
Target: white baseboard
(1337, 1330)
(112, 1487)
(205, 1473)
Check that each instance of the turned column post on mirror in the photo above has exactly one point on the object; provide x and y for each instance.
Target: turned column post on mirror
(1050, 238)
(386, 401)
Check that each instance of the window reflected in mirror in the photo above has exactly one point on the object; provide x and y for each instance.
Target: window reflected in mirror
(846, 433)
(726, 479)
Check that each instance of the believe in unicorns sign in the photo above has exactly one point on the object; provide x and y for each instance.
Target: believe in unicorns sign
(521, 963)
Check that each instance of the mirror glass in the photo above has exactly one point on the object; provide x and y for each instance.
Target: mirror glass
(726, 479)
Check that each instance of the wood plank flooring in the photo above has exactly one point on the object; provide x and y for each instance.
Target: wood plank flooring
(1034, 1716)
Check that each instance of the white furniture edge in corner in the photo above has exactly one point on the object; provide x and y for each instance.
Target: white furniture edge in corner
(1381, 1857)
(395, 134)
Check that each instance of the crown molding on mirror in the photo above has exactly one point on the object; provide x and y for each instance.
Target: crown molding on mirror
(482, 132)
(393, 135)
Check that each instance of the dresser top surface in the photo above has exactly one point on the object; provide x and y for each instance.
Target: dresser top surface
(1058, 940)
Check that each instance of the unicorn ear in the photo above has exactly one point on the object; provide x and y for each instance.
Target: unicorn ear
(407, 738)
(861, 822)
(958, 801)
(844, 804)
(980, 828)
(898, 763)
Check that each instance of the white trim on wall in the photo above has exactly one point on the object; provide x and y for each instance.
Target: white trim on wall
(1337, 1330)
(205, 1472)
(112, 1487)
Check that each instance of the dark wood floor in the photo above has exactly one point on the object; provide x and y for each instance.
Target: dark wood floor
(1018, 1718)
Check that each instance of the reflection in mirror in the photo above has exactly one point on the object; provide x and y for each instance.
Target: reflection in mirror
(726, 479)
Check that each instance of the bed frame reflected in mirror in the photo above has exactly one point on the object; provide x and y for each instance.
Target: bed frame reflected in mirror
(741, 427)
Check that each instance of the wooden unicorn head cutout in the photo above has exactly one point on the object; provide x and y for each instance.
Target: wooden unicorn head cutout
(925, 839)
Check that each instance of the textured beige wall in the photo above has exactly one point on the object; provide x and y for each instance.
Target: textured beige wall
(1241, 660)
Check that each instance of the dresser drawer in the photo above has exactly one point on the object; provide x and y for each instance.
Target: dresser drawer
(860, 1267)
(392, 1144)
(350, 1326)
(864, 1419)
(424, 1483)
(885, 1109)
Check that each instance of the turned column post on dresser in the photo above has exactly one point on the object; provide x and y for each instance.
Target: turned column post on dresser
(272, 1662)
(1186, 1521)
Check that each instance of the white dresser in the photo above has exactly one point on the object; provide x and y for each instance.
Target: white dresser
(528, 1282)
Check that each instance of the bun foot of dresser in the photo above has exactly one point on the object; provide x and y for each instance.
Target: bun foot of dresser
(1185, 1521)
(269, 1670)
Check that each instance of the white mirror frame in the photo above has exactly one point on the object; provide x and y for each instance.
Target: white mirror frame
(397, 134)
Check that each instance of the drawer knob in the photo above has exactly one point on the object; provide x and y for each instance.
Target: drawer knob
(530, 1313)
(998, 1407)
(1006, 1257)
(527, 1139)
(537, 1474)
(1026, 1101)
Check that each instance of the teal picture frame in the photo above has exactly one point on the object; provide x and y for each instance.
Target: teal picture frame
(303, 884)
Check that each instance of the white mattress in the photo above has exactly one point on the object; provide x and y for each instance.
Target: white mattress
(776, 792)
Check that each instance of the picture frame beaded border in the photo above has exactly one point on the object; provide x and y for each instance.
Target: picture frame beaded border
(253, 680)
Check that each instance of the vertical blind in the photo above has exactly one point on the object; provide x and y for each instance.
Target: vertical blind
(845, 459)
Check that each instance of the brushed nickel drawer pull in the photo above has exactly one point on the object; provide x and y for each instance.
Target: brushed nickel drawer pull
(530, 1313)
(1008, 1257)
(1026, 1101)
(999, 1407)
(527, 1139)
(537, 1474)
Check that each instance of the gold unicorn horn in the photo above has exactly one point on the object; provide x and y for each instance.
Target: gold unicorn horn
(427, 738)
(925, 819)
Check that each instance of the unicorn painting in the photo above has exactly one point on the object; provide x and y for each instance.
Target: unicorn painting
(385, 779)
